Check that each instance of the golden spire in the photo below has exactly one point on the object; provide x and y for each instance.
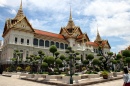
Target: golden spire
(70, 24)
(98, 38)
(20, 12)
(70, 19)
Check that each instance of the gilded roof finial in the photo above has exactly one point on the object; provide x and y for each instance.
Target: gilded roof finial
(20, 6)
(20, 12)
(70, 24)
(98, 38)
(97, 30)
(70, 19)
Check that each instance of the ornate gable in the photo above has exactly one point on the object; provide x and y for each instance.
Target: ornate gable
(24, 24)
(106, 44)
(71, 31)
(20, 22)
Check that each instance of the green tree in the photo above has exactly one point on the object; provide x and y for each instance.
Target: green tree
(53, 49)
(50, 60)
(126, 53)
(128, 60)
(44, 65)
(77, 58)
(90, 57)
(62, 57)
(119, 60)
(85, 62)
(41, 57)
(33, 60)
(58, 61)
(95, 62)
(16, 57)
(56, 54)
(105, 60)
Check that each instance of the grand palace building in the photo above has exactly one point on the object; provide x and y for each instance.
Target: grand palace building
(19, 34)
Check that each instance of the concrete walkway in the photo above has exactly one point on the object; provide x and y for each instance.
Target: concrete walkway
(86, 82)
(110, 83)
(8, 81)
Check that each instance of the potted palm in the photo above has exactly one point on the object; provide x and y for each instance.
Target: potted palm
(105, 74)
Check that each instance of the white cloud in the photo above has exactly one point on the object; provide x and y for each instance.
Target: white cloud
(12, 11)
(2, 3)
(112, 17)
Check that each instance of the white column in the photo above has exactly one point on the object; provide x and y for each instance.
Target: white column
(19, 39)
(38, 42)
(24, 54)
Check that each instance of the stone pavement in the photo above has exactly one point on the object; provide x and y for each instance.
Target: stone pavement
(110, 83)
(86, 82)
(8, 81)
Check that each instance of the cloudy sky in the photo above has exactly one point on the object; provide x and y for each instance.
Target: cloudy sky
(111, 16)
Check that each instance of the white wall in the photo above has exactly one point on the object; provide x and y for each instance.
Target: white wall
(19, 35)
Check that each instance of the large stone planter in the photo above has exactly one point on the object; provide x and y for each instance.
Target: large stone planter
(36, 76)
(76, 78)
(30, 76)
(66, 79)
(84, 76)
(50, 77)
(93, 75)
(114, 74)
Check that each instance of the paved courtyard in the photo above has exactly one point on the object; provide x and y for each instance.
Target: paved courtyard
(8, 81)
(110, 83)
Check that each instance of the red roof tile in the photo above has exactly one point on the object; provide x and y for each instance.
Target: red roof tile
(80, 36)
(40, 32)
(91, 43)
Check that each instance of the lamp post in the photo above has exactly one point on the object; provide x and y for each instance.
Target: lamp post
(71, 78)
(72, 61)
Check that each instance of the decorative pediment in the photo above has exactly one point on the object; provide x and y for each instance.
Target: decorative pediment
(24, 25)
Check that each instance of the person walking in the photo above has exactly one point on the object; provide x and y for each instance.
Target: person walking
(126, 77)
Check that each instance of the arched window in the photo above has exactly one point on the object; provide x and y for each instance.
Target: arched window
(27, 41)
(94, 50)
(35, 41)
(61, 45)
(16, 39)
(57, 44)
(41, 42)
(66, 46)
(47, 43)
(22, 40)
(52, 43)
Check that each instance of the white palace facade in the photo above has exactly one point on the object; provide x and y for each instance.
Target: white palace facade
(19, 34)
